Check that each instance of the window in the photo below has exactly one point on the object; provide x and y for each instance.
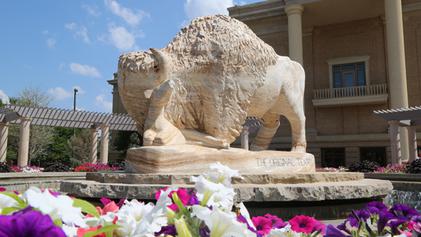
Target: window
(348, 72)
(333, 157)
(376, 154)
(349, 75)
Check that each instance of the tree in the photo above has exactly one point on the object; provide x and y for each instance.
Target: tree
(40, 136)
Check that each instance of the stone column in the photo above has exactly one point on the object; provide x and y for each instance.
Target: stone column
(4, 132)
(413, 147)
(395, 142)
(93, 155)
(105, 137)
(23, 153)
(295, 31)
(245, 138)
(396, 63)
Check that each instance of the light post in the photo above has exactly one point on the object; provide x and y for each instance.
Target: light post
(74, 98)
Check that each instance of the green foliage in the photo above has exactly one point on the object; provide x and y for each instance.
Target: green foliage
(125, 139)
(86, 207)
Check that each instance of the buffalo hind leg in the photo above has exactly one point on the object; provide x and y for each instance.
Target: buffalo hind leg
(293, 110)
(266, 132)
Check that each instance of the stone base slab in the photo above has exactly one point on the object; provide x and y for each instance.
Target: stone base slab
(320, 191)
(183, 179)
(191, 159)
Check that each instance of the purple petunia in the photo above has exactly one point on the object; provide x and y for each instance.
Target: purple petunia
(332, 231)
(167, 230)
(357, 216)
(376, 207)
(384, 217)
(402, 211)
(29, 223)
(204, 231)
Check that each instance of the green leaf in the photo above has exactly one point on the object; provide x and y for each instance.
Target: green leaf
(9, 210)
(106, 229)
(86, 207)
(179, 204)
(20, 202)
(58, 222)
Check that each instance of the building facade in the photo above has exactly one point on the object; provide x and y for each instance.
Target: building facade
(358, 55)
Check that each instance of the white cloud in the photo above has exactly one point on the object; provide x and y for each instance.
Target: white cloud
(121, 38)
(84, 70)
(196, 8)
(51, 43)
(91, 10)
(4, 98)
(59, 93)
(132, 18)
(79, 31)
(101, 101)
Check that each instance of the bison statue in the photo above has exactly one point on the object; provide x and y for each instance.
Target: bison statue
(201, 87)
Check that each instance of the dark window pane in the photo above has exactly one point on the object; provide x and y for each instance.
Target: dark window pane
(333, 157)
(349, 75)
(348, 79)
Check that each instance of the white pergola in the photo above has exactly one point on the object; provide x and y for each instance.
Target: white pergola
(402, 117)
(42, 116)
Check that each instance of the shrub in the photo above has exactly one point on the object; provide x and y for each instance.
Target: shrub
(414, 167)
(364, 166)
(4, 168)
(57, 167)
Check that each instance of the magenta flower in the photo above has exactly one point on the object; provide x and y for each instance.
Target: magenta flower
(305, 224)
(277, 223)
(29, 223)
(187, 197)
(263, 225)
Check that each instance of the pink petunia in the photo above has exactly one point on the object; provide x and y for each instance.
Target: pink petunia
(277, 223)
(263, 225)
(305, 224)
(186, 197)
(109, 207)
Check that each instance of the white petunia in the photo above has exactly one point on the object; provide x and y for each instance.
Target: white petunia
(220, 173)
(245, 213)
(283, 232)
(70, 231)
(60, 207)
(222, 224)
(137, 219)
(214, 194)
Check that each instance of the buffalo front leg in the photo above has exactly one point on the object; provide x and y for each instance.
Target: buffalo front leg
(158, 130)
(266, 132)
(162, 132)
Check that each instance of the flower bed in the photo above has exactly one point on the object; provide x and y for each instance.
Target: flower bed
(86, 167)
(208, 210)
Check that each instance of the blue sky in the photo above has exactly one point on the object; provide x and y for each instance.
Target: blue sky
(57, 45)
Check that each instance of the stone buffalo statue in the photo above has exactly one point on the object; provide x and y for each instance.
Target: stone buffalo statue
(202, 86)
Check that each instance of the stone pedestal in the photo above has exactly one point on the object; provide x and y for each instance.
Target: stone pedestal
(182, 159)
(304, 192)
